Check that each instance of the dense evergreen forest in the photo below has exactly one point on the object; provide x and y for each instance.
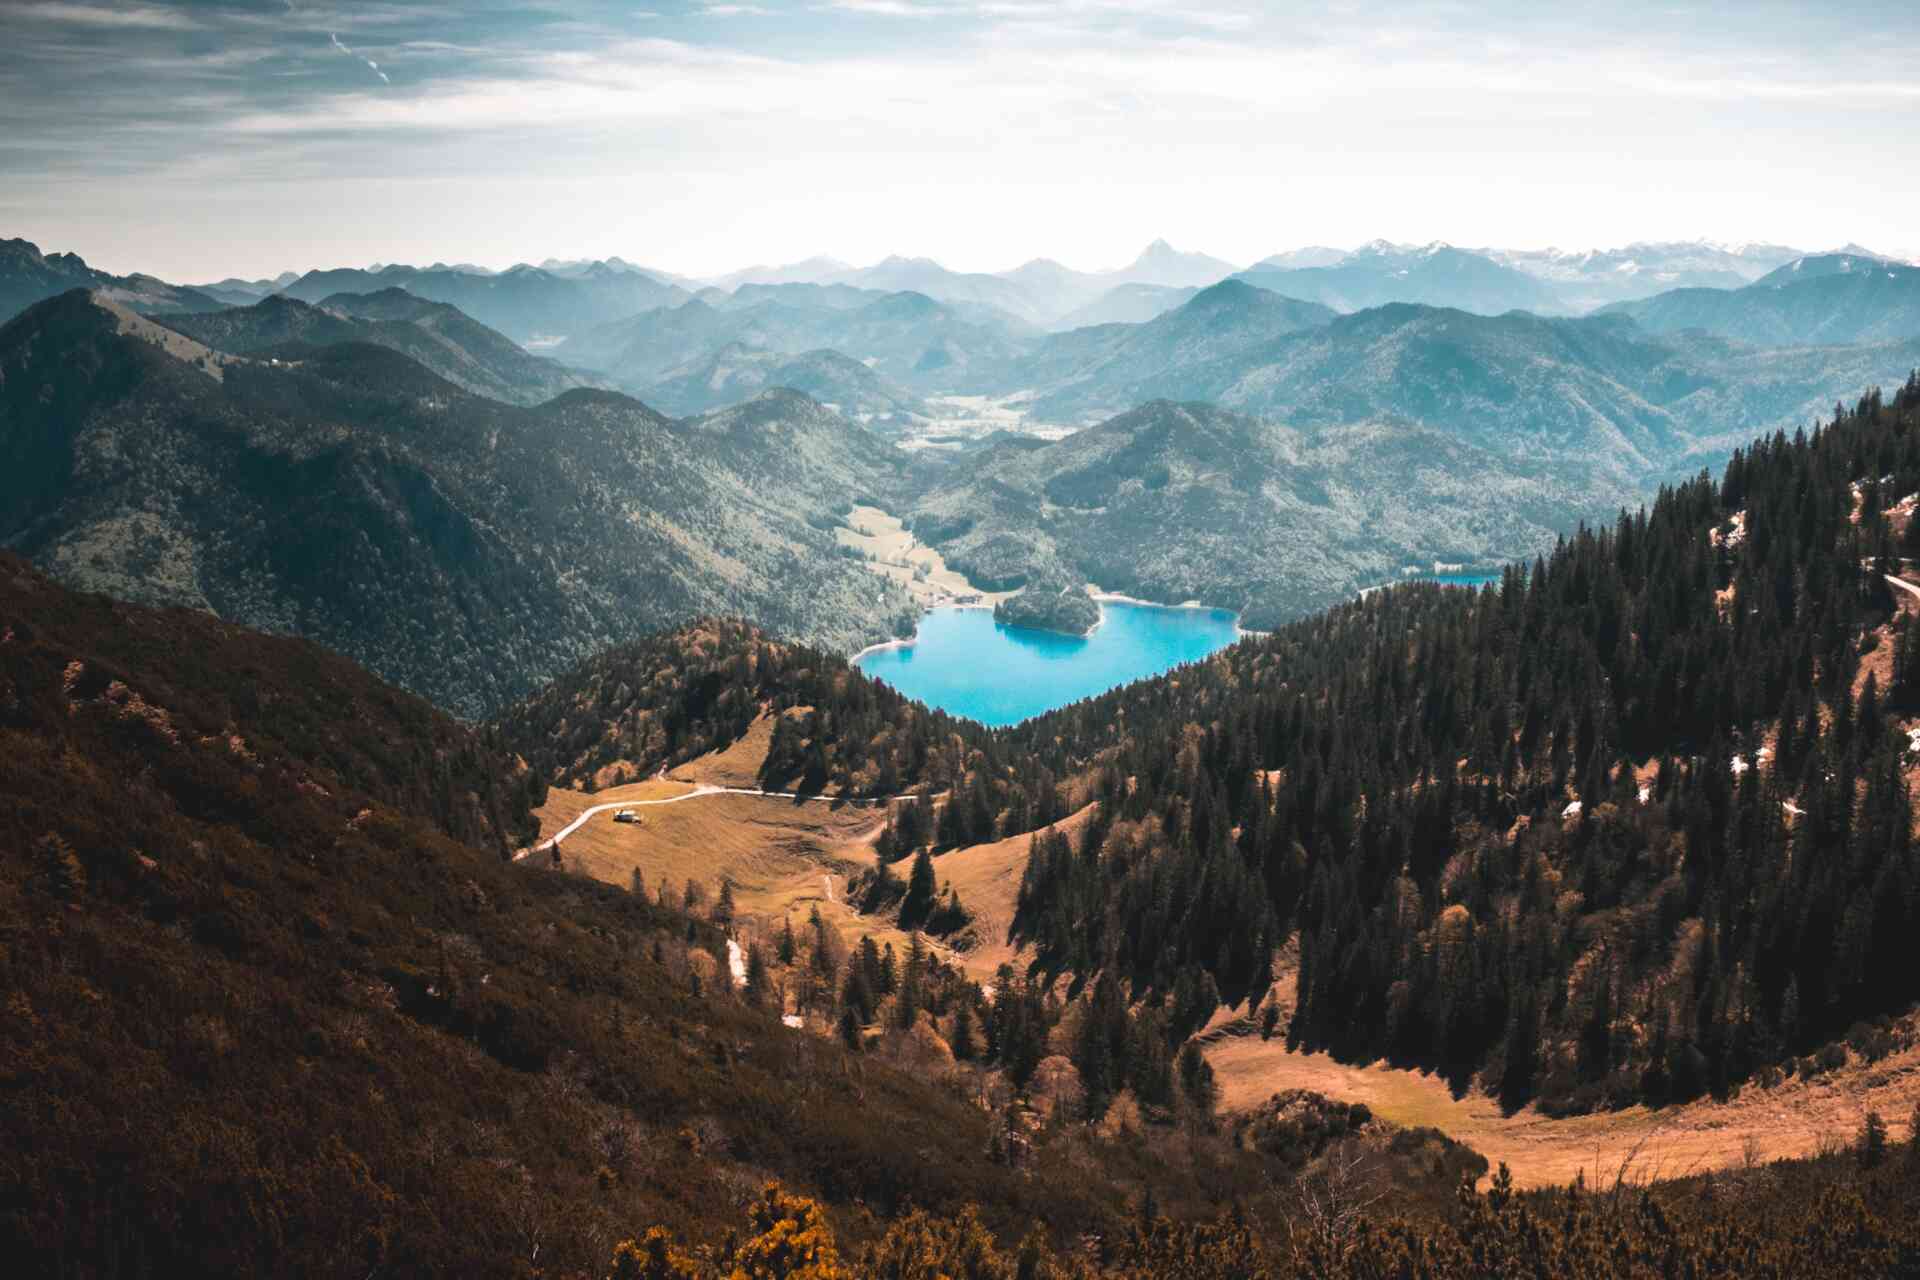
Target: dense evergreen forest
(1632, 824)
(667, 698)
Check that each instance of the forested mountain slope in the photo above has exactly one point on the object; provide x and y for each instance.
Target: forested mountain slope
(1633, 825)
(239, 868)
(525, 303)
(1187, 501)
(1081, 375)
(462, 547)
(735, 373)
(907, 337)
(1595, 391)
(1829, 299)
(441, 337)
(276, 1002)
(1439, 275)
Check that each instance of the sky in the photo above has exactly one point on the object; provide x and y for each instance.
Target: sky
(204, 139)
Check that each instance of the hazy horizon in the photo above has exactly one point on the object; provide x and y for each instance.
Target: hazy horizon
(1831, 243)
(196, 140)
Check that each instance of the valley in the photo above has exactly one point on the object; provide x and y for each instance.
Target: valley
(891, 551)
(900, 640)
(1039, 874)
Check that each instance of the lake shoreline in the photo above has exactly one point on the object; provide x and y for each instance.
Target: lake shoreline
(1001, 674)
(1099, 597)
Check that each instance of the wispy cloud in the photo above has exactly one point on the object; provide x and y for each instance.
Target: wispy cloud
(371, 64)
(888, 8)
(780, 128)
(140, 16)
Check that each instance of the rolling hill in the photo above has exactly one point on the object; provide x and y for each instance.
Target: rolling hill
(736, 372)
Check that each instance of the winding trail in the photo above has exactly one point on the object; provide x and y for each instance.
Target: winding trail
(703, 789)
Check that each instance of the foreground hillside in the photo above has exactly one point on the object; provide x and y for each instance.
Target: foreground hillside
(275, 1001)
(460, 546)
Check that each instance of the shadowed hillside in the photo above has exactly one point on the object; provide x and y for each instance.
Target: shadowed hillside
(463, 547)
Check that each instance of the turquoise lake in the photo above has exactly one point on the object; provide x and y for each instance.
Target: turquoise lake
(966, 664)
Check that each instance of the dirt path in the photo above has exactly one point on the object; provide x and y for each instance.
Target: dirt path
(703, 789)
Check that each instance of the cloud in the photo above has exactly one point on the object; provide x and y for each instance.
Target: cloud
(1006, 126)
(139, 16)
(887, 8)
(371, 64)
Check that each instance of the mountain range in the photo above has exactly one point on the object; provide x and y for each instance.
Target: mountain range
(1817, 301)
(292, 978)
(459, 546)
(1435, 275)
(563, 299)
(380, 465)
(1187, 501)
(1085, 372)
(1598, 388)
(737, 372)
(907, 337)
(529, 305)
(27, 276)
(440, 336)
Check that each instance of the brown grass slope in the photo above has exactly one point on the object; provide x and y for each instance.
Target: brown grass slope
(260, 1012)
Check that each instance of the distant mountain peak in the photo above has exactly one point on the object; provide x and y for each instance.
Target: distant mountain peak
(1227, 293)
(1160, 253)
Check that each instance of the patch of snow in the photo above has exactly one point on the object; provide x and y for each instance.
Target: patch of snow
(793, 1020)
(1792, 809)
(1572, 810)
(737, 962)
(1646, 793)
(1740, 765)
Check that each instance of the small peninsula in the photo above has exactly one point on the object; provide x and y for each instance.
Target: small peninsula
(1050, 602)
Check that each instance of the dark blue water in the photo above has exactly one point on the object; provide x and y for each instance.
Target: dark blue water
(966, 664)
